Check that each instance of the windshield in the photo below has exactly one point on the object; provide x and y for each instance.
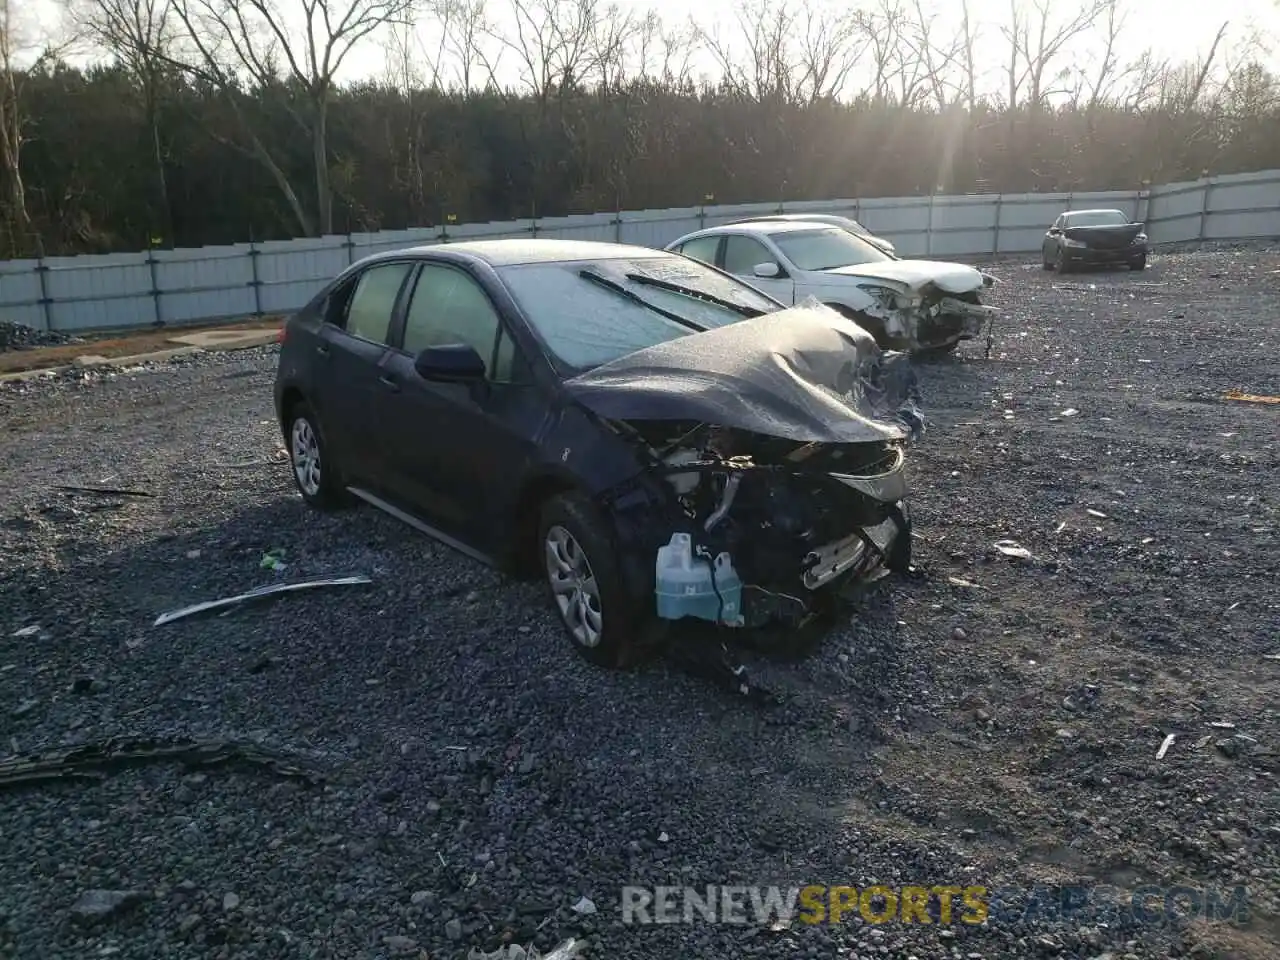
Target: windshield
(826, 249)
(1097, 218)
(585, 323)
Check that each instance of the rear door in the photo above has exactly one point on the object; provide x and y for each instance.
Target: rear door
(461, 446)
(740, 255)
(350, 350)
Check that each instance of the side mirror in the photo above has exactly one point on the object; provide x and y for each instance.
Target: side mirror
(452, 362)
(766, 270)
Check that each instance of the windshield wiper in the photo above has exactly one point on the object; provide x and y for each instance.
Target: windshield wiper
(637, 299)
(738, 308)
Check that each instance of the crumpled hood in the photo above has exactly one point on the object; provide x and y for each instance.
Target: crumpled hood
(949, 277)
(805, 373)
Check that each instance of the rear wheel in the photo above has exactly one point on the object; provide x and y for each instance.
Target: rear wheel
(584, 582)
(317, 479)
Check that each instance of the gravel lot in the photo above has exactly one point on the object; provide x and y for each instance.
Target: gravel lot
(992, 721)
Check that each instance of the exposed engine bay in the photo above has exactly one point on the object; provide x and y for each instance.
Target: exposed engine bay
(763, 530)
(933, 318)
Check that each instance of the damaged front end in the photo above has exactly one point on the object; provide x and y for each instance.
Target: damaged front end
(929, 317)
(763, 530)
(773, 467)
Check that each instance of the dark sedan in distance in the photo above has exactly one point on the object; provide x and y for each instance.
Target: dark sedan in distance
(1087, 237)
(645, 433)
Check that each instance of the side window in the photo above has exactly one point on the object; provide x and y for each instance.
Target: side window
(449, 307)
(702, 248)
(373, 300)
(741, 254)
(508, 361)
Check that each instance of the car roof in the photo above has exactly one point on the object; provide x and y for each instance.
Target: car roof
(1073, 213)
(768, 226)
(827, 218)
(524, 250)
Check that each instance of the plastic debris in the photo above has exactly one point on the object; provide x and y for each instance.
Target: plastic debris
(273, 559)
(584, 906)
(1012, 549)
(1069, 412)
(258, 594)
(1096, 513)
(30, 631)
(1164, 747)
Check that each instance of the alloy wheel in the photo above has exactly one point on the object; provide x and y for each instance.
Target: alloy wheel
(573, 584)
(306, 456)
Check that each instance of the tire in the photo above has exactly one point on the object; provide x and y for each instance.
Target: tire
(584, 584)
(1061, 264)
(1139, 264)
(316, 477)
(1045, 262)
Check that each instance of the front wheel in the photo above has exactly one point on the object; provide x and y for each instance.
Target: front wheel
(584, 582)
(1061, 263)
(313, 471)
(1139, 264)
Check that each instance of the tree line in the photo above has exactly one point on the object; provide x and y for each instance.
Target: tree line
(218, 121)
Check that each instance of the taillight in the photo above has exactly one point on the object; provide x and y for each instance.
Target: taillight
(280, 334)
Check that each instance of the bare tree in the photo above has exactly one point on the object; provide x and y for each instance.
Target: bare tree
(11, 127)
(465, 28)
(664, 51)
(968, 40)
(553, 42)
(138, 33)
(38, 42)
(831, 42)
(1037, 38)
(304, 43)
(756, 61)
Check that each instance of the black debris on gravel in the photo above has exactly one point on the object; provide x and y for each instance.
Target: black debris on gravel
(16, 336)
(993, 721)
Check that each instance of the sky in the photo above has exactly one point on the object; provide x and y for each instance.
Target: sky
(1174, 29)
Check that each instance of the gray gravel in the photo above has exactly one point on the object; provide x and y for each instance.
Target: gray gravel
(483, 780)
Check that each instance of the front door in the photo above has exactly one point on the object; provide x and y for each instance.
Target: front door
(458, 443)
(742, 254)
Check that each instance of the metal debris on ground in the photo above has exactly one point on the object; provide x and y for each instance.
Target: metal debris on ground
(1013, 549)
(94, 761)
(1164, 747)
(259, 594)
(513, 951)
(103, 491)
(1249, 397)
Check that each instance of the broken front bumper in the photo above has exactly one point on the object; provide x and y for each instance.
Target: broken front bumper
(956, 319)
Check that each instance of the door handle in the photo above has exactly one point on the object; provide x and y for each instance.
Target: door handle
(390, 382)
(322, 349)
